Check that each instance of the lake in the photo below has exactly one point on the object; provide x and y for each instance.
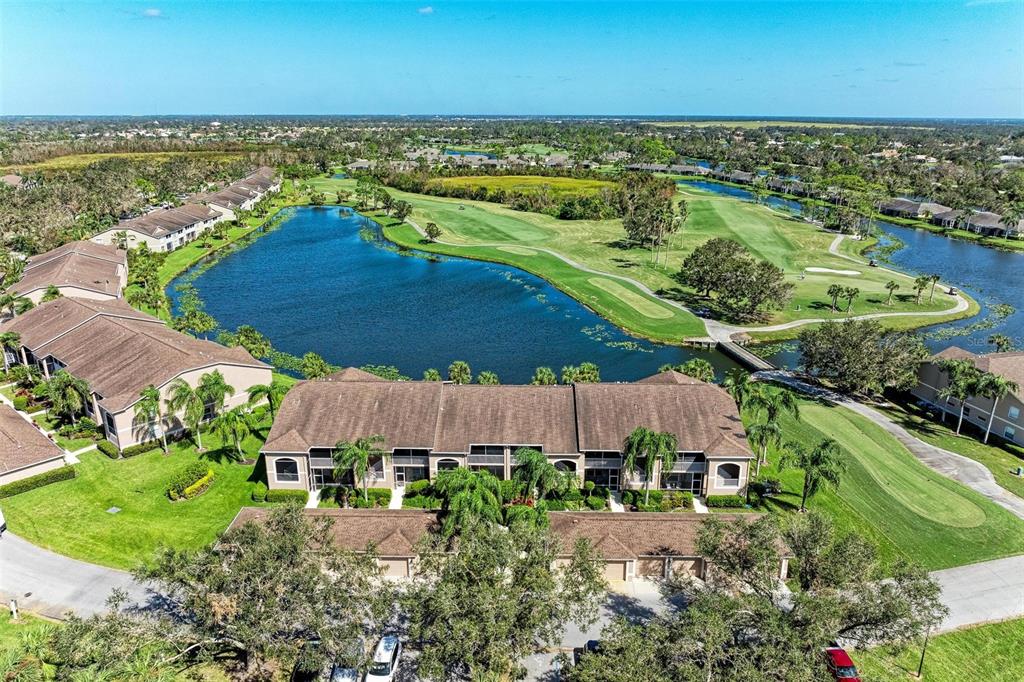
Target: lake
(315, 283)
(989, 275)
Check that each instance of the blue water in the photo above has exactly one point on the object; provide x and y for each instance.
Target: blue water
(314, 284)
(989, 275)
(457, 152)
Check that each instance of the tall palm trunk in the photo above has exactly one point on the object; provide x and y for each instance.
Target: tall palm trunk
(803, 496)
(991, 418)
(960, 422)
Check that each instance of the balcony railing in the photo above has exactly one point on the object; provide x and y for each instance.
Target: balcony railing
(728, 482)
(410, 460)
(321, 462)
(688, 467)
(602, 463)
(486, 459)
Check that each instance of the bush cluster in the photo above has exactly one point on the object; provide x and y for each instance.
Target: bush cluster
(596, 503)
(375, 497)
(259, 492)
(37, 481)
(726, 501)
(140, 449)
(84, 428)
(659, 500)
(185, 479)
(108, 449)
(290, 496)
(20, 402)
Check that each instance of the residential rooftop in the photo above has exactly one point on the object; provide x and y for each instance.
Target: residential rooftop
(21, 443)
(81, 264)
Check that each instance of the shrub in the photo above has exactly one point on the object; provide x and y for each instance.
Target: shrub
(655, 496)
(640, 506)
(627, 497)
(596, 503)
(379, 497)
(290, 496)
(554, 505)
(259, 492)
(421, 502)
(511, 490)
(20, 402)
(185, 478)
(573, 495)
(601, 491)
(140, 449)
(107, 448)
(418, 487)
(39, 480)
(589, 486)
(726, 501)
(200, 486)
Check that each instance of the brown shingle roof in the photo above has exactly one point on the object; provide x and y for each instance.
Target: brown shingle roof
(48, 321)
(1008, 365)
(670, 377)
(698, 414)
(164, 221)
(490, 415)
(86, 265)
(21, 443)
(393, 533)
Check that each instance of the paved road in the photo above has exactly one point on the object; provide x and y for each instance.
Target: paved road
(950, 464)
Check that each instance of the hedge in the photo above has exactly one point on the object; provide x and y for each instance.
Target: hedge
(107, 448)
(259, 492)
(596, 503)
(20, 402)
(726, 501)
(200, 486)
(417, 487)
(38, 481)
(184, 479)
(421, 502)
(376, 497)
(140, 449)
(291, 496)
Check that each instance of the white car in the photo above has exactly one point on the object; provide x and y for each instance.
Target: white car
(385, 660)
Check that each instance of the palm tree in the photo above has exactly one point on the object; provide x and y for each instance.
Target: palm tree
(934, 279)
(1002, 342)
(771, 403)
(962, 379)
(995, 388)
(850, 293)
(891, 286)
(52, 293)
(214, 390)
(535, 472)
(834, 292)
(646, 448)
(543, 376)
(148, 413)
(700, 369)
(821, 464)
(431, 374)
(182, 398)
(273, 393)
(920, 284)
(761, 436)
(468, 496)
(356, 456)
(487, 379)
(234, 425)
(459, 372)
(68, 394)
(1011, 218)
(9, 340)
(738, 385)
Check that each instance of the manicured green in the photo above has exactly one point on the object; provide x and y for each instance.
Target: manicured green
(138, 487)
(1000, 457)
(988, 652)
(890, 497)
(488, 231)
(526, 184)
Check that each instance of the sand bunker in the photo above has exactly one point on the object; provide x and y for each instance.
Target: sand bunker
(833, 272)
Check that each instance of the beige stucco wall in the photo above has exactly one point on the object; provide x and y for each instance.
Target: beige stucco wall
(711, 486)
(12, 476)
(134, 239)
(301, 484)
(931, 380)
(130, 432)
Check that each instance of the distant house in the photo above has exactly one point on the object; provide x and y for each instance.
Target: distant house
(120, 351)
(24, 450)
(164, 229)
(81, 269)
(429, 426)
(358, 165)
(1008, 422)
(981, 222)
(912, 208)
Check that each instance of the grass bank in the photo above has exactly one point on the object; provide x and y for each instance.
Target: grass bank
(527, 184)
(78, 161)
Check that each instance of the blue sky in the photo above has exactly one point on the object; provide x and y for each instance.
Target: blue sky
(941, 58)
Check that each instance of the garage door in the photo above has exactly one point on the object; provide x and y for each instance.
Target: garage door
(687, 567)
(650, 567)
(394, 568)
(615, 570)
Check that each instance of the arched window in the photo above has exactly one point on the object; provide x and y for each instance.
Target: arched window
(447, 464)
(286, 471)
(565, 465)
(728, 475)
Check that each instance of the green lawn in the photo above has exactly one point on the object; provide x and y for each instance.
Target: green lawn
(11, 632)
(887, 495)
(147, 518)
(1001, 458)
(557, 186)
(76, 161)
(497, 233)
(988, 652)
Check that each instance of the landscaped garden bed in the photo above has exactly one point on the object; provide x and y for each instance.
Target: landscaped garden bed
(657, 500)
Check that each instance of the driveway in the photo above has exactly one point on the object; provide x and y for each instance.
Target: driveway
(982, 593)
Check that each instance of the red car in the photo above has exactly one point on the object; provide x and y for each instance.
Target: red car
(841, 665)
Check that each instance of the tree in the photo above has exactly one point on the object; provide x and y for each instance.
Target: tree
(698, 368)
(432, 232)
(705, 268)
(315, 367)
(233, 426)
(933, 280)
(431, 375)
(52, 293)
(148, 412)
(505, 595)
(356, 457)
(739, 385)
(487, 379)
(891, 286)
(214, 390)
(1013, 214)
(273, 393)
(467, 497)
(249, 338)
(402, 210)
(646, 204)
(1002, 342)
(962, 381)
(535, 472)
(646, 448)
(834, 292)
(920, 284)
(745, 285)
(850, 293)
(861, 356)
(995, 388)
(68, 395)
(543, 376)
(459, 372)
(9, 341)
(822, 466)
(183, 398)
(265, 589)
(586, 373)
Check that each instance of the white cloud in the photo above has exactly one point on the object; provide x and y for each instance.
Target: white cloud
(426, 10)
(152, 12)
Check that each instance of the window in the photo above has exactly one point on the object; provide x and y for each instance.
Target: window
(286, 471)
(1013, 413)
(728, 475)
(1009, 433)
